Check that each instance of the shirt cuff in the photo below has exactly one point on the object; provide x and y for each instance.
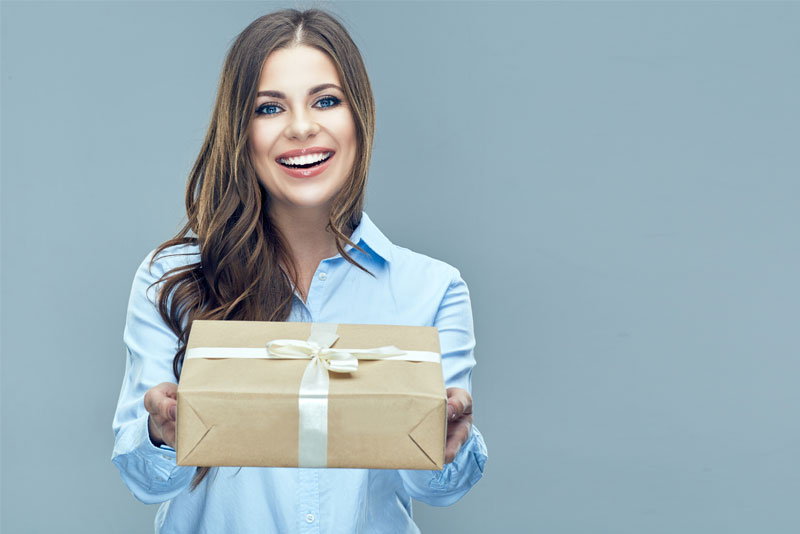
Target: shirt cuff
(162, 459)
(446, 486)
(469, 462)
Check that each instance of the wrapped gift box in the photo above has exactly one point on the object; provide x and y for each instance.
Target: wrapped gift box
(253, 393)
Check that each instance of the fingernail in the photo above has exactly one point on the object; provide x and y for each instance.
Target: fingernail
(450, 412)
(173, 412)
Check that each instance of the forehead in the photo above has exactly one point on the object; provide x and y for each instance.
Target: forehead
(298, 67)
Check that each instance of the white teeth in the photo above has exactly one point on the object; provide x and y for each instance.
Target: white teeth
(306, 159)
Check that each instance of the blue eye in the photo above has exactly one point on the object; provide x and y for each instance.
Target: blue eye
(268, 109)
(333, 101)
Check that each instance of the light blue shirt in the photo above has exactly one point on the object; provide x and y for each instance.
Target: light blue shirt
(408, 289)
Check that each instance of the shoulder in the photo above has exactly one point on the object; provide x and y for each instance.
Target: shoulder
(157, 262)
(423, 272)
(404, 262)
(431, 290)
(148, 277)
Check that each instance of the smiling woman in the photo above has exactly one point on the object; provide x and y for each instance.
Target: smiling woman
(300, 99)
(275, 199)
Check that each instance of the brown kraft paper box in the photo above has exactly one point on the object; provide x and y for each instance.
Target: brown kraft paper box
(244, 411)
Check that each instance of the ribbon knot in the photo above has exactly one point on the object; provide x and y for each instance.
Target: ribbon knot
(338, 361)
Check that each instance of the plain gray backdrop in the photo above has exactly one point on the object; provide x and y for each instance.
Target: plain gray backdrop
(617, 182)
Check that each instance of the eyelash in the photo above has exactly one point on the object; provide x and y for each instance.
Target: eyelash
(335, 103)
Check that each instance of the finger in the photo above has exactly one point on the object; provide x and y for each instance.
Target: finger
(170, 389)
(155, 396)
(167, 389)
(161, 409)
(456, 439)
(167, 409)
(459, 431)
(459, 395)
(454, 426)
(151, 398)
(459, 402)
(454, 406)
(163, 428)
(467, 404)
(168, 434)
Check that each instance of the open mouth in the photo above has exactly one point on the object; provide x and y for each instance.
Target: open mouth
(306, 162)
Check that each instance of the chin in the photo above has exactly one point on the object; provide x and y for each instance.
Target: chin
(308, 203)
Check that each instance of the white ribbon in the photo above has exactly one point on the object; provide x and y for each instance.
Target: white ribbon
(336, 360)
(313, 394)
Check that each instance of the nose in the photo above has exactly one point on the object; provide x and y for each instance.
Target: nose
(301, 126)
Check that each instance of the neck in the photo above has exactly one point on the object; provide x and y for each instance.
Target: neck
(304, 230)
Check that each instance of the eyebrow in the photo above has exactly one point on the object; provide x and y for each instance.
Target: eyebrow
(313, 90)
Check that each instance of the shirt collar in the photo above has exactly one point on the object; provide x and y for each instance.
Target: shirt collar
(366, 233)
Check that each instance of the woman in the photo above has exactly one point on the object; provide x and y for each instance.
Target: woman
(275, 199)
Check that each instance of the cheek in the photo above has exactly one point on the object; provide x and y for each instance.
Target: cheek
(344, 128)
(347, 137)
(262, 138)
(259, 149)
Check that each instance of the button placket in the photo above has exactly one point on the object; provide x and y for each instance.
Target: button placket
(308, 502)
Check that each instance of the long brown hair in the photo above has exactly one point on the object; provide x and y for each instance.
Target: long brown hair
(239, 275)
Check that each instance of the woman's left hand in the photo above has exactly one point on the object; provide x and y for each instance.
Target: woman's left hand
(459, 421)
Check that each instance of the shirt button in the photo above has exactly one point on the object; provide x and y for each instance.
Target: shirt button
(323, 276)
(310, 518)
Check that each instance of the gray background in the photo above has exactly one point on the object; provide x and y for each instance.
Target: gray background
(618, 183)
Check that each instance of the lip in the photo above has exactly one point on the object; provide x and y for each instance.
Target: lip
(307, 173)
(304, 151)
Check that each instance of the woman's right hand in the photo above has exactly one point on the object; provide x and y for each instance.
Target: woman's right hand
(161, 402)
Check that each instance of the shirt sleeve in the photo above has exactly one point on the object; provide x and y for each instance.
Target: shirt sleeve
(454, 321)
(150, 472)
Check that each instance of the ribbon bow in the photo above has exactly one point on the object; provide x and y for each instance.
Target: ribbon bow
(336, 360)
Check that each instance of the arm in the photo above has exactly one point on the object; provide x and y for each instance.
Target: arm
(149, 471)
(445, 487)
